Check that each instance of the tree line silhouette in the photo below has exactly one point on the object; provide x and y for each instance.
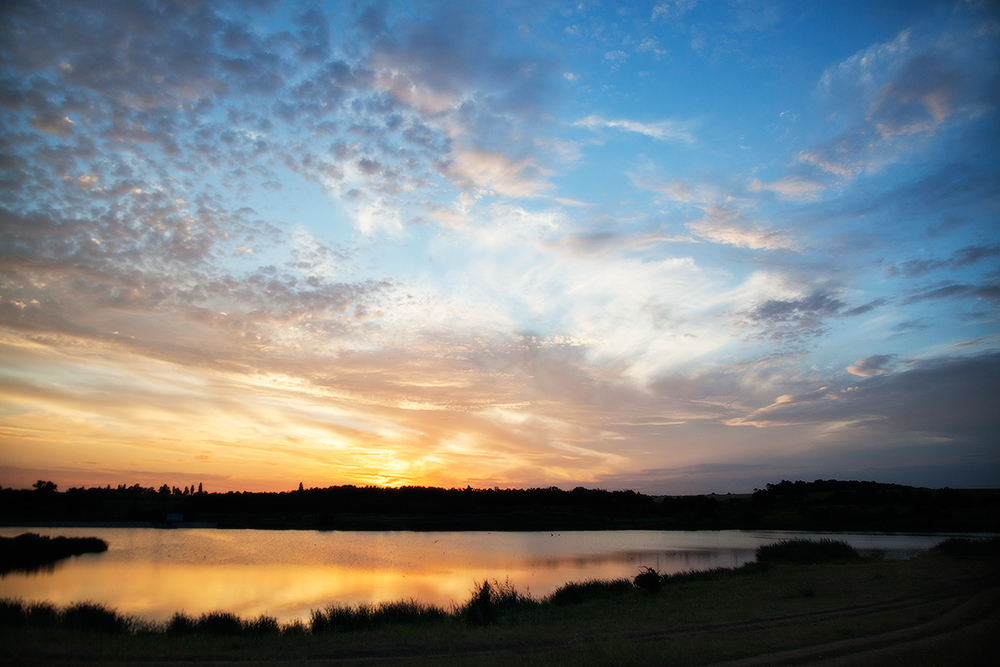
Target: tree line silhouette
(818, 505)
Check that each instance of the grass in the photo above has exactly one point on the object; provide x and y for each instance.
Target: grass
(855, 606)
(807, 552)
(338, 617)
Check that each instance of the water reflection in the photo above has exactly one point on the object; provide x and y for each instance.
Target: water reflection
(41, 568)
(154, 573)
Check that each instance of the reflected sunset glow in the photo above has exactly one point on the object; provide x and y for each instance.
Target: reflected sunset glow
(153, 573)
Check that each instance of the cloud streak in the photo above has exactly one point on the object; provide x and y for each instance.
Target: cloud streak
(665, 130)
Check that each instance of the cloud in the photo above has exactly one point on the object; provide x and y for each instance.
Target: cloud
(473, 169)
(832, 158)
(666, 130)
(943, 397)
(854, 82)
(59, 126)
(679, 191)
(642, 312)
(874, 364)
(920, 97)
(729, 226)
(438, 64)
(777, 311)
(606, 243)
(791, 321)
(796, 188)
(672, 10)
(379, 217)
(892, 96)
(963, 257)
(616, 57)
(958, 291)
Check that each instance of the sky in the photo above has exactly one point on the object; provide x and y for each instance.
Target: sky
(690, 246)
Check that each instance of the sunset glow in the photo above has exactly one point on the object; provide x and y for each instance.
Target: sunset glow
(678, 247)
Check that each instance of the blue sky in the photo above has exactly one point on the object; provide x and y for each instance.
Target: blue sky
(679, 247)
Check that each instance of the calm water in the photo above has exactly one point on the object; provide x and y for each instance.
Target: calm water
(153, 573)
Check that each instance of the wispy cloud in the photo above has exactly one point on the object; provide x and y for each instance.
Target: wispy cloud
(939, 397)
(796, 188)
(962, 257)
(665, 130)
(958, 291)
(729, 226)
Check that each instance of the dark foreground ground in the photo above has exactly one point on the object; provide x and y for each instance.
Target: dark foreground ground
(939, 609)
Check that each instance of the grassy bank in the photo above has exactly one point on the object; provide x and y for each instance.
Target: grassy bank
(843, 606)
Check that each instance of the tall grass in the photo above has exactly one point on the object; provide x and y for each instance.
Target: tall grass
(339, 617)
(591, 589)
(490, 602)
(222, 623)
(962, 548)
(86, 616)
(807, 552)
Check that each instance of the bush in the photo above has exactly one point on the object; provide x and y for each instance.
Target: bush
(481, 608)
(490, 602)
(806, 552)
(577, 592)
(220, 623)
(12, 613)
(317, 622)
(295, 629)
(960, 547)
(340, 617)
(648, 580)
(405, 611)
(364, 616)
(181, 624)
(93, 617)
(263, 625)
(42, 615)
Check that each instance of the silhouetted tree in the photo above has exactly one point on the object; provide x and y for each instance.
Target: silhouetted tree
(44, 486)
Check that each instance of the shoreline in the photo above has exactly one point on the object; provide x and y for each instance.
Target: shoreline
(944, 605)
(27, 525)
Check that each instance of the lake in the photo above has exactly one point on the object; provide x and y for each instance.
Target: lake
(152, 572)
